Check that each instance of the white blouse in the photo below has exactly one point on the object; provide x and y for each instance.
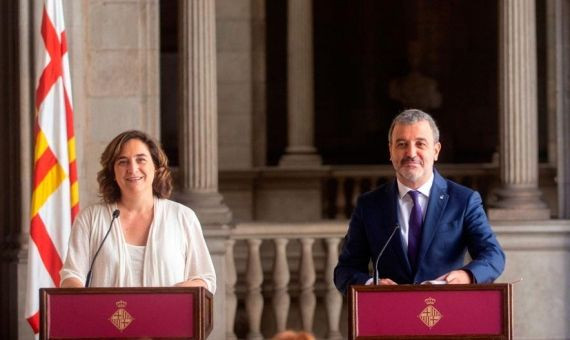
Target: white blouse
(175, 251)
(136, 253)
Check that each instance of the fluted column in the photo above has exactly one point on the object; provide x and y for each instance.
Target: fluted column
(198, 112)
(198, 138)
(300, 149)
(558, 70)
(518, 198)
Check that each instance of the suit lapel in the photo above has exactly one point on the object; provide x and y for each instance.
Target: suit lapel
(436, 205)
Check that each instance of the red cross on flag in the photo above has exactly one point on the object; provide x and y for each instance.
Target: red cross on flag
(55, 197)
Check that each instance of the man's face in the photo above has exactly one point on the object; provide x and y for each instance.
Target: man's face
(413, 152)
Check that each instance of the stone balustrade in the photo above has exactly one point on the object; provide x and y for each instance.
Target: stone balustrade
(276, 273)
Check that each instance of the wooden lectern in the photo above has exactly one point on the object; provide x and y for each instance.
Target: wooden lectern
(430, 312)
(99, 313)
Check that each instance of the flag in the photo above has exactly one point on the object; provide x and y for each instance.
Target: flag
(55, 197)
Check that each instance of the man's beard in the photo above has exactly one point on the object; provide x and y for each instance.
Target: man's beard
(411, 174)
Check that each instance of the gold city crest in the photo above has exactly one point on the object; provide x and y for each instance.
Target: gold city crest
(430, 315)
(121, 318)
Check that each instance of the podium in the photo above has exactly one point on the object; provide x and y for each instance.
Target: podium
(120, 313)
(430, 312)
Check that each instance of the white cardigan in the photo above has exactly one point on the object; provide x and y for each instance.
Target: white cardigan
(175, 251)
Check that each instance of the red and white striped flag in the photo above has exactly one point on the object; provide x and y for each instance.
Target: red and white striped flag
(55, 198)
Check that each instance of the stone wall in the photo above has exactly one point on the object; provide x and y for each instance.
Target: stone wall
(114, 52)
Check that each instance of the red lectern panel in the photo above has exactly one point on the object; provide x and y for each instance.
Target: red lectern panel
(430, 311)
(95, 313)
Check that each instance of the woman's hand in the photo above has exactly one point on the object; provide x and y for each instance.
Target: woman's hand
(192, 283)
(71, 283)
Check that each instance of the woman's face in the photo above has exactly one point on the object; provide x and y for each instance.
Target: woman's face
(134, 169)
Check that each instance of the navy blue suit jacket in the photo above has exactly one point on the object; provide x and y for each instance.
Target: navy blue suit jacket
(454, 223)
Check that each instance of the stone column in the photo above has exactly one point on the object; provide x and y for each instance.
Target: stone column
(259, 81)
(553, 74)
(198, 112)
(10, 175)
(300, 149)
(558, 70)
(28, 11)
(563, 117)
(518, 198)
(198, 137)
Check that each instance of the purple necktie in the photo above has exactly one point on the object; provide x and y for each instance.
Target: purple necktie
(415, 230)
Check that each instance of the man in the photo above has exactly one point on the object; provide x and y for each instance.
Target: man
(438, 220)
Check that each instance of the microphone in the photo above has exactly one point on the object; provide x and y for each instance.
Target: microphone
(116, 214)
(382, 252)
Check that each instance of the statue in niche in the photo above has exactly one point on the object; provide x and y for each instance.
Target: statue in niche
(415, 90)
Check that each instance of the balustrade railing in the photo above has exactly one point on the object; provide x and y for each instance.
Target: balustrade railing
(286, 265)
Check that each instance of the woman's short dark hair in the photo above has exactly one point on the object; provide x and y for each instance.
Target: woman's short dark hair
(109, 189)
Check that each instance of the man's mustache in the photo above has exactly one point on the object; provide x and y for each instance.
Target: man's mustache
(412, 160)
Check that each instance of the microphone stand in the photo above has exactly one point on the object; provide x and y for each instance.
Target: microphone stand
(116, 214)
(382, 252)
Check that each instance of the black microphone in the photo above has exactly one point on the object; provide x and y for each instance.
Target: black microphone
(116, 214)
(382, 252)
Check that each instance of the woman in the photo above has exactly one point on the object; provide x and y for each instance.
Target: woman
(153, 242)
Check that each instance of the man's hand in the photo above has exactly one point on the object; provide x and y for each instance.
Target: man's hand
(457, 277)
(386, 282)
